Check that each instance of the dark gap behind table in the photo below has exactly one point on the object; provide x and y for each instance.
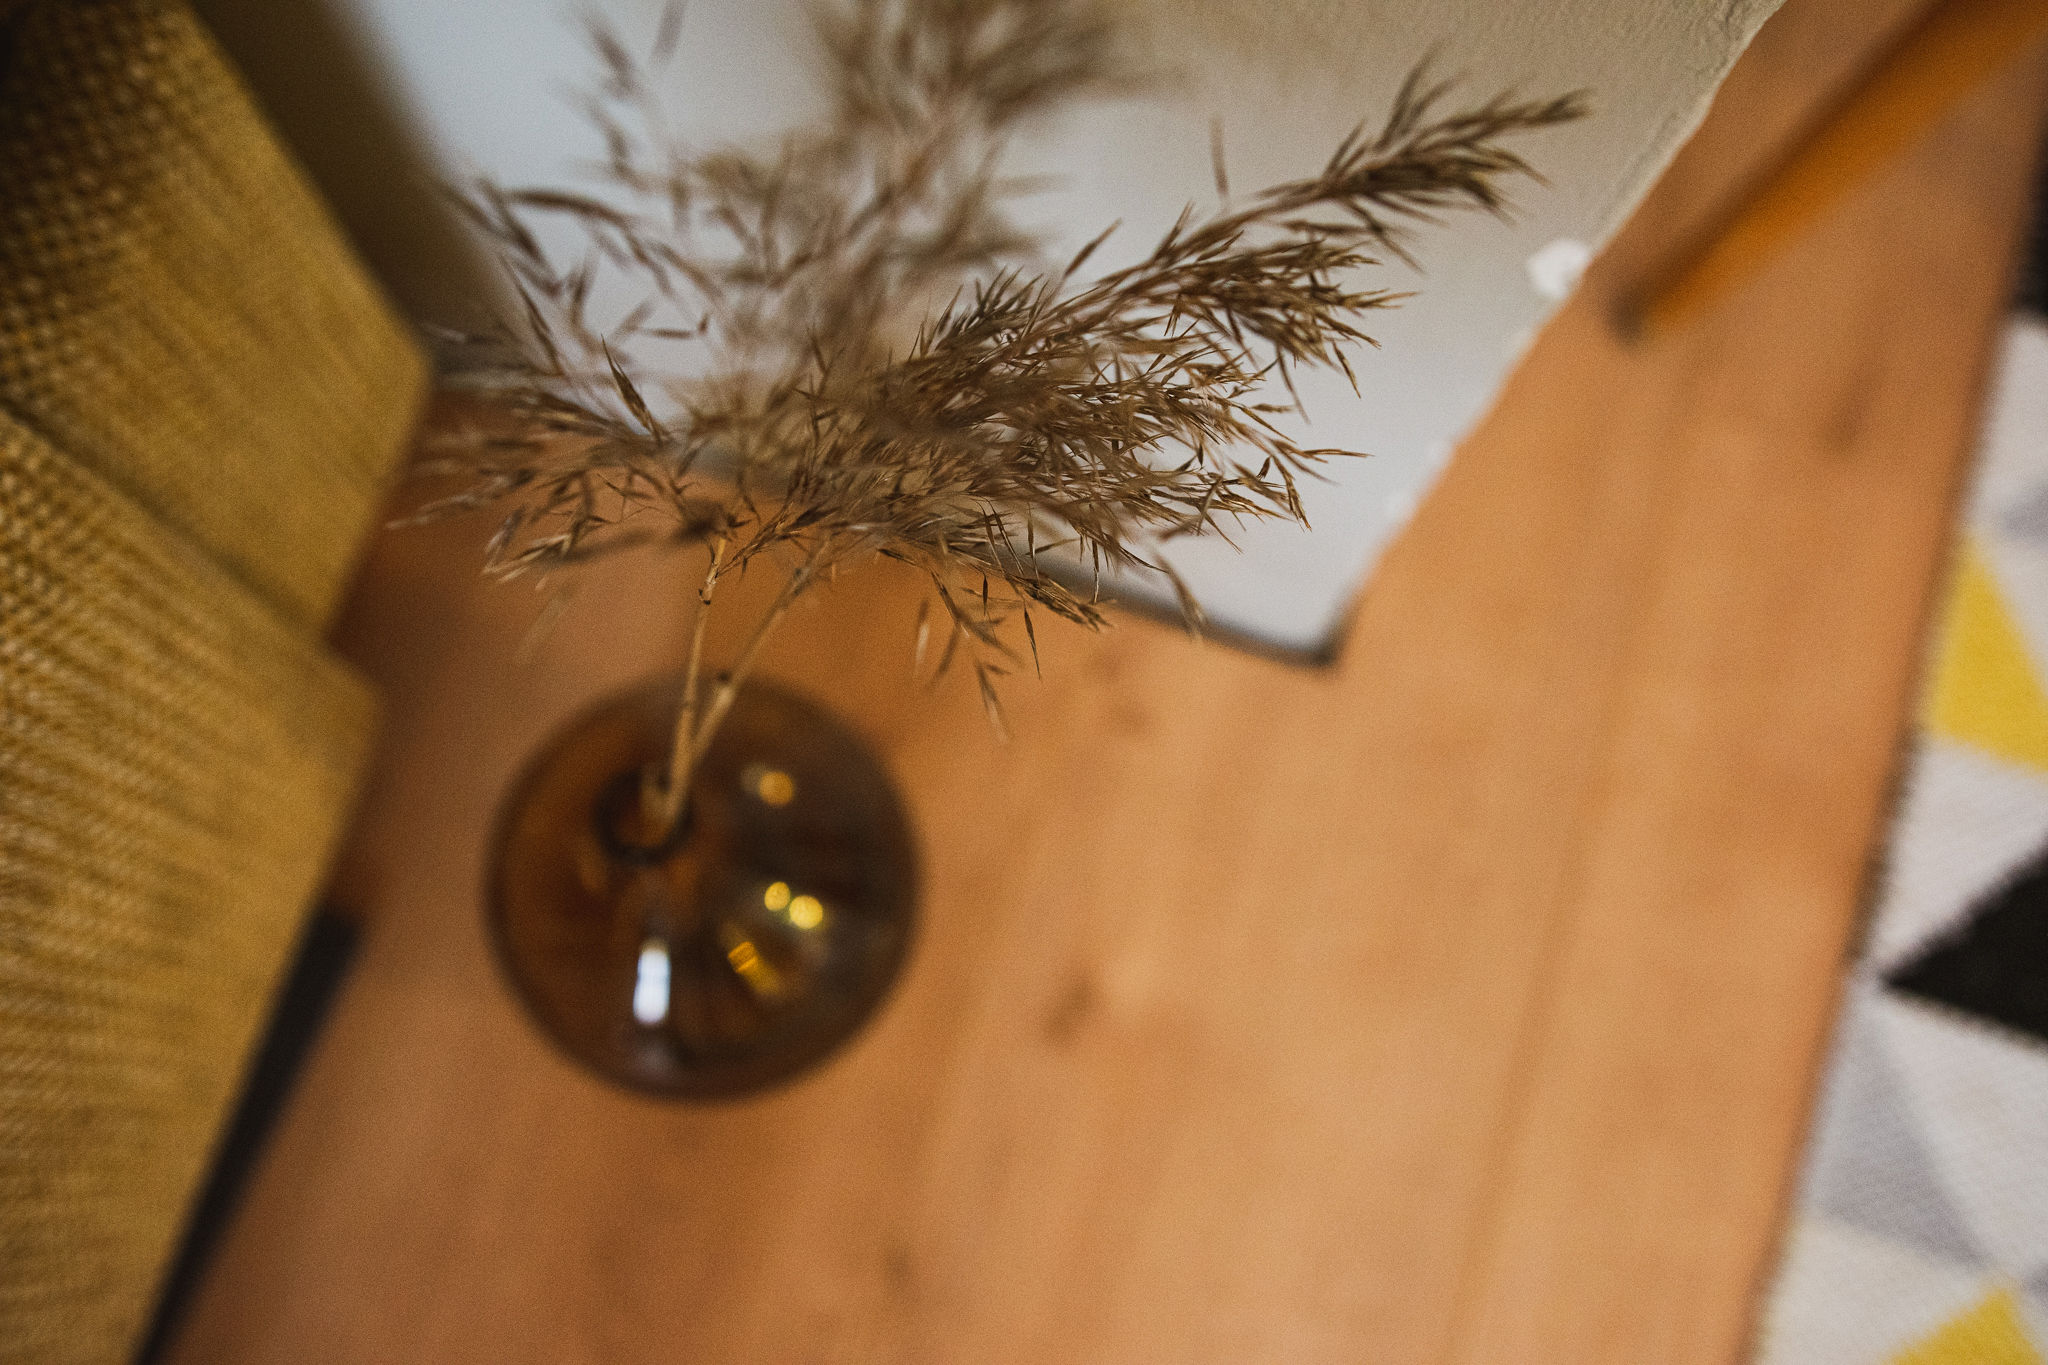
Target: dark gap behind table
(2033, 293)
(326, 949)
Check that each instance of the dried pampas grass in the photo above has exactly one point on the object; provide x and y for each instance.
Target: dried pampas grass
(791, 408)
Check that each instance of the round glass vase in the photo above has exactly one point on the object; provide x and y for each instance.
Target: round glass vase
(740, 949)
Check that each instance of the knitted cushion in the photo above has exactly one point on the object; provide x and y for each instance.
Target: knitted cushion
(174, 761)
(177, 311)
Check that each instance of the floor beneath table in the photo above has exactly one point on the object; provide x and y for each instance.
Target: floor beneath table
(1458, 1002)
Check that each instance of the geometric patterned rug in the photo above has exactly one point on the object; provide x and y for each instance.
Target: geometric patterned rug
(1919, 1232)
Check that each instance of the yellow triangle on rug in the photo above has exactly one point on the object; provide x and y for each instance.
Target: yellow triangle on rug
(1986, 691)
(1991, 1333)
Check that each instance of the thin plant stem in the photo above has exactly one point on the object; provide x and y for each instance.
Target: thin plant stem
(698, 725)
(675, 794)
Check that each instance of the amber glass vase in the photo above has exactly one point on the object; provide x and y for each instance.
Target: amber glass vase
(741, 948)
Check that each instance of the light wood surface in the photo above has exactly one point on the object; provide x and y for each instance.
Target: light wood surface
(1459, 1002)
(1909, 87)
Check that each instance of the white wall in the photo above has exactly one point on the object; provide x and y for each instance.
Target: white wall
(480, 85)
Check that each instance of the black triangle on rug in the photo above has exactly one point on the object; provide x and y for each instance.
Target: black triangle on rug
(1994, 964)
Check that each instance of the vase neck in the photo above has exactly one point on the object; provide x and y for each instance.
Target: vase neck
(632, 822)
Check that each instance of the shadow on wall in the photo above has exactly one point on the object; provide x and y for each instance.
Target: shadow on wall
(318, 82)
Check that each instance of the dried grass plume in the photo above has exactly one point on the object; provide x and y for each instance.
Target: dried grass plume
(769, 397)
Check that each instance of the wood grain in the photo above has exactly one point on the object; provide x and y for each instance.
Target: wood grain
(1458, 1002)
(1953, 48)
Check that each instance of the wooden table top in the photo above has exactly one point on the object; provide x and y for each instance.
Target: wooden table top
(1458, 1002)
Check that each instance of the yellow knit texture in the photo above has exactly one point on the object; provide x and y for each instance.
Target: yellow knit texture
(202, 399)
(177, 310)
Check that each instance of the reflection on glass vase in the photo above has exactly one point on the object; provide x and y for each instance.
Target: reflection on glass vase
(739, 949)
